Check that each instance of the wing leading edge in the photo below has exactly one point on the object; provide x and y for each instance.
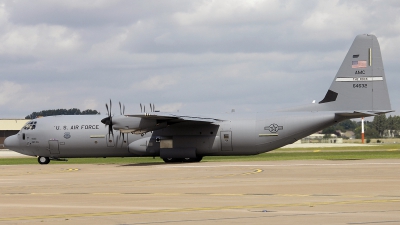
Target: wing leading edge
(146, 122)
(176, 118)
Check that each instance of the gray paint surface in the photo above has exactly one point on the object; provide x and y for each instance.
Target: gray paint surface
(358, 91)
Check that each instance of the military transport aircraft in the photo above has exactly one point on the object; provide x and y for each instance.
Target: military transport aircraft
(358, 90)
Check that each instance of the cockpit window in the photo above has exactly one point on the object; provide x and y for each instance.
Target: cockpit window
(31, 125)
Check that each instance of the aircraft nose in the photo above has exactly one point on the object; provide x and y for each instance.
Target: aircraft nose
(11, 142)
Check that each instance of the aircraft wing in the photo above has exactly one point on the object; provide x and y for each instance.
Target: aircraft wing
(146, 122)
(176, 117)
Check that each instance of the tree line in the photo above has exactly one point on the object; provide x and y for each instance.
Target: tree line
(56, 112)
(381, 126)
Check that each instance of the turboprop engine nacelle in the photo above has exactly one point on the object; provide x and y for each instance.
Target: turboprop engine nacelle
(139, 147)
(136, 124)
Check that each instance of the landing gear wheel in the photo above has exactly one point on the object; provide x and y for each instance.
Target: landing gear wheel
(196, 159)
(180, 160)
(43, 160)
(169, 160)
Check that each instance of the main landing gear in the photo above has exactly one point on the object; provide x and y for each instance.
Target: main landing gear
(178, 160)
(43, 160)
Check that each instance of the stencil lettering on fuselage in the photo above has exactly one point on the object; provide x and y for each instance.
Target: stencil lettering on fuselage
(77, 127)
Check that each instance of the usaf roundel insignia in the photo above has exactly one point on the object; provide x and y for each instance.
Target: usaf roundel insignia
(67, 135)
(273, 128)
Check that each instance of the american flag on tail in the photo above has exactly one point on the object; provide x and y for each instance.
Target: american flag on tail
(358, 64)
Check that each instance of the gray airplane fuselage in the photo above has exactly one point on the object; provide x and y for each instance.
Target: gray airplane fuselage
(359, 89)
(86, 136)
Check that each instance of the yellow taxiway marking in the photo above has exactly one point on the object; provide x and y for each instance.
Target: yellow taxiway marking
(117, 213)
(316, 150)
(72, 169)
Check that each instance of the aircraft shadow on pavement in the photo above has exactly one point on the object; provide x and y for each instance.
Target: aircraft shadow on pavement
(154, 164)
(343, 159)
(143, 164)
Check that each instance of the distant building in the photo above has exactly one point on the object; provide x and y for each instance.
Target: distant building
(348, 134)
(10, 127)
(391, 133)
(322, 138)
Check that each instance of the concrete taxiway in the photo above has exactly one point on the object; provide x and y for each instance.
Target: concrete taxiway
(280, 192)
(5, 153)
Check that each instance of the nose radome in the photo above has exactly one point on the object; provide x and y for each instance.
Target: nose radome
(11, 142)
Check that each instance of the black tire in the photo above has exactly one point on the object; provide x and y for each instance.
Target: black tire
(43, 160)
(179, 160)
(169, 160)
(196, 159)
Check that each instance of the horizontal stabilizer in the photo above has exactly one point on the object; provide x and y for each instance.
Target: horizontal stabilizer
(357, 114)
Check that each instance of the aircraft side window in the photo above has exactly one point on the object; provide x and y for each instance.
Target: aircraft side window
(23, 136)
(31, 125)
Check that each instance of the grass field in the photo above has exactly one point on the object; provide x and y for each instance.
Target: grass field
(382, 151)
(371, 147)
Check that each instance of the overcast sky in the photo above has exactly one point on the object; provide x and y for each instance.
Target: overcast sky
(191, 56)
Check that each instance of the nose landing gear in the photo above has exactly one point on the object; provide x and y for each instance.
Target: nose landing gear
(45, 160)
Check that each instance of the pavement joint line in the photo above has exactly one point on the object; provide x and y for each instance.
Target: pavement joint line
(118, 213)
(205, 194)
(255, 171)
(279, 165)
(62, 170)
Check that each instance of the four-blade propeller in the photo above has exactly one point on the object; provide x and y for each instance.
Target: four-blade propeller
(108, 120)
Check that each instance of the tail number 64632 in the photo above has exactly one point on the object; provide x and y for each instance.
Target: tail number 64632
(359, 85)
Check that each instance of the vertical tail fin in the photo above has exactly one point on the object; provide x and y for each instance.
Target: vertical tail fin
(360, 83)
